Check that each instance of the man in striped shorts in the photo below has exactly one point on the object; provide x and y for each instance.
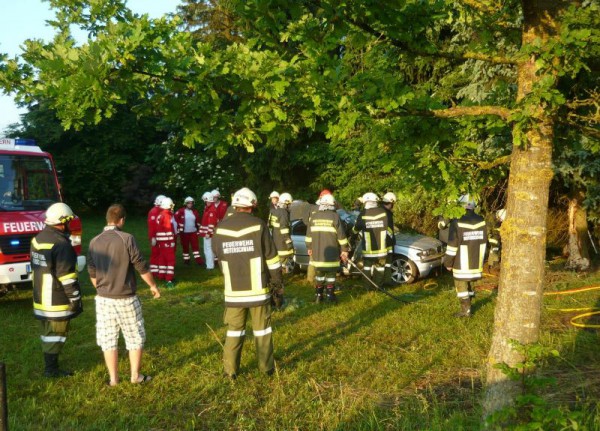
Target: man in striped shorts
(113, 258)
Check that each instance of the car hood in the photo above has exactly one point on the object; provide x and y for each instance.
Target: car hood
(417, 241)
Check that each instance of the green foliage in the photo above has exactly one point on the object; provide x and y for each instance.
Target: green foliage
(531, 411)
(101, 165)
(192, 171)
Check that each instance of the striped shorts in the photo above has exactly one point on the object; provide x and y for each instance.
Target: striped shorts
(122, 314)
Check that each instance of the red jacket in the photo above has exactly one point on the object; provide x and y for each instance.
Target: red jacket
(152, 214)
(180, 219)
(164, 227)
(209, 221)
(221, 210)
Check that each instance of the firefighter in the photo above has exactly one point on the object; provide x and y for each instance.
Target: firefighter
(388, 200)
(165, 239)
(188, 227)
(56, 291)
(327, 244)
(372, 224)
(495, 241)
(248, 258)
(209, 222)
(152, 214)
(312, 209)
(280, 220)
(274, 197)
(467, 242)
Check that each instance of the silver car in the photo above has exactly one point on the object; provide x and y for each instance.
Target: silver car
(415, 256)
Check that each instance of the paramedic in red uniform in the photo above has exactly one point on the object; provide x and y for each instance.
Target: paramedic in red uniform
(165, 238)
(188, 227)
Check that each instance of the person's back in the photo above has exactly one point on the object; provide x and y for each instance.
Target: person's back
(112, 257)
(115, 255)
(244, 256)
(251, 267)
(467, 241)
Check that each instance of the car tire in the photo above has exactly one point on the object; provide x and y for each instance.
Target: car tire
(404, 270)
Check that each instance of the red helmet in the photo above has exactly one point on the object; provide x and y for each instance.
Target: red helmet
(325, 192)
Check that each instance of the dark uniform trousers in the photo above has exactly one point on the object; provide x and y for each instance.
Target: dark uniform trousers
(375, 268)
(235, 319)
(53, 334)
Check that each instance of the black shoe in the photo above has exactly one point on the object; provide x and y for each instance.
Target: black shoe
(318, 298)
(58, 373)
(186, 262)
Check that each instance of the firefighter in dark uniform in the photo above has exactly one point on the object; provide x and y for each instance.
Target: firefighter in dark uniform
(467, 241)
(274, 199)
(250, 264)
(325, 238)
(312, 209)
(56, 292)
(280, 231)
(372, 223)
(389, 199)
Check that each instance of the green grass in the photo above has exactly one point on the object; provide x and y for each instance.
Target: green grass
(369, 363)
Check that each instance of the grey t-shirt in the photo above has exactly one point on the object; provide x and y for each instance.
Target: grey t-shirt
(113, 258)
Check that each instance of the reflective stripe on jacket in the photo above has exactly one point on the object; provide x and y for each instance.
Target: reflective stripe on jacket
(248, 259)
(373, 223)
(55, 280)
(325, 236)
(467, 241)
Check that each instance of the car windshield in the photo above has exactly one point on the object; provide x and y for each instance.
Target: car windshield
(26, 183)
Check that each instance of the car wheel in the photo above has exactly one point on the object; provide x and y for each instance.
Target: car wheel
(290, 266)
(404, 270)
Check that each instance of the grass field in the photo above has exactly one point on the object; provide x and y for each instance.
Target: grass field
(369, 363)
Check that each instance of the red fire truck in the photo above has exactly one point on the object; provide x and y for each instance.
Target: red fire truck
(28, 186)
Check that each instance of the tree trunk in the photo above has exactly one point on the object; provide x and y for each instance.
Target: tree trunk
(518, 309)
(579, 255)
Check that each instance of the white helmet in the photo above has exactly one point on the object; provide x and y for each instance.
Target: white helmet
(158, 200)
(501, 214)
(188, 199)
(244, 198)
(215, 194)
(59, 213)
(285, 198)
(167, 203)
(467, 202)
(327, 200)
(370, 197)
(207, 197)
(389, 198)
(274, 194)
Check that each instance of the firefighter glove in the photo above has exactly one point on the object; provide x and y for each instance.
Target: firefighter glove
(76, 305)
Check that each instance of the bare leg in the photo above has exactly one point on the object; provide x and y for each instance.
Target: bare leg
(135, 362)
(111, 357)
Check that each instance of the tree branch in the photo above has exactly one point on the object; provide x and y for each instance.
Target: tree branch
(455, 111)
(460, 111)
(497, 59)
(485, 165)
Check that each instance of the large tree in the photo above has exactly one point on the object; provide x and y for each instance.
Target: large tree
(441, 93)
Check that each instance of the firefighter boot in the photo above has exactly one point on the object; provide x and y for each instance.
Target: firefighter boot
(51, 369)
(331, 294)
(319, 294)
(465, 308)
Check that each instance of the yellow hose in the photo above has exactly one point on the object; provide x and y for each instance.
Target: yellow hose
(593, 310)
